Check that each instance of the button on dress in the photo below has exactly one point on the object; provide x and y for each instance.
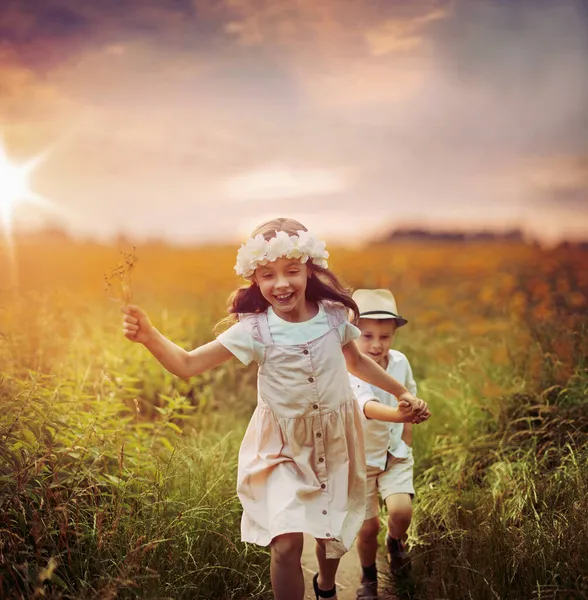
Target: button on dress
(302, 460)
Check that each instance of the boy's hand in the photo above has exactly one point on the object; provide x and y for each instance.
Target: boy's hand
(419, 408)
(405, 412)
(136, 324)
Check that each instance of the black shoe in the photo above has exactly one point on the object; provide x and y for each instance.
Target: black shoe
(368, 590)
(398, 557)
(322, 593)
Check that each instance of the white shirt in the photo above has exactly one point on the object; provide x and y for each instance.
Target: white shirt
(242, 344)
(382, 437)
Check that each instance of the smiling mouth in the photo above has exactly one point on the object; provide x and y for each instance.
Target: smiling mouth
(283, 297)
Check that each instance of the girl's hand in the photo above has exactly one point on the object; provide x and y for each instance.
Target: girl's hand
(136, 324)
(419, 408)
(420, 418)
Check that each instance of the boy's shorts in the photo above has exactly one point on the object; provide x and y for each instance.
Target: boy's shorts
(395, 479)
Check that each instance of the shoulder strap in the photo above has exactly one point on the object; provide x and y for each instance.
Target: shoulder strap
(250, 323)
(336, 313)
(257, 325)
(264, 330)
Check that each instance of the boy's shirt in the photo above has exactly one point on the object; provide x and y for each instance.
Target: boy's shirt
(382, 437)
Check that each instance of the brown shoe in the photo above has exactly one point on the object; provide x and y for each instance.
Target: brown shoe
(398, 557)
(368, 590)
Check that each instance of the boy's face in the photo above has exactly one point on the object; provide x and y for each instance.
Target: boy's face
(376, 338)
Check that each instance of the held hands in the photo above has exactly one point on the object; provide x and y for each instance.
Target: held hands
(136, 324)
(415, 410)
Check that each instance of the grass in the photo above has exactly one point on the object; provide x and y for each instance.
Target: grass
(117, 479)
(118, 505)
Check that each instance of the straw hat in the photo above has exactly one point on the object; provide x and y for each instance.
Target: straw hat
(377, 304)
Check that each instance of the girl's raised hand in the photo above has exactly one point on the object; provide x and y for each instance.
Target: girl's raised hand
(136, 324)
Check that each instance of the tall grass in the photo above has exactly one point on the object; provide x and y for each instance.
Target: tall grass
(502, 487)
(116, 505)
(117, 479)
(500, 510)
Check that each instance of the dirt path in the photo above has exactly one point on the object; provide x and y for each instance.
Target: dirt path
(347, 575)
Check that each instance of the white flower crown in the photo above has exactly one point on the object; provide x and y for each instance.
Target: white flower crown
(258, 251)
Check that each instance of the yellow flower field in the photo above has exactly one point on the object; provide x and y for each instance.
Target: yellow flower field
(117, 479)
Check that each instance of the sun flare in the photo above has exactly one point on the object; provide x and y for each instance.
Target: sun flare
(15, 187)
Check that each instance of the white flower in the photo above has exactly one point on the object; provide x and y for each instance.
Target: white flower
(315, 249)
(319, 252)
(296, 252)
(259, 251)
(278, 246)
(320, 262)
(256, 246)
(249, 254)
(305, 242)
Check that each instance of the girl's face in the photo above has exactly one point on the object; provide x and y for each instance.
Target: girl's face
(282, 283)
(376, 339)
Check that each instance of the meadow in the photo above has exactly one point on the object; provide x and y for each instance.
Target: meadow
(117, 480)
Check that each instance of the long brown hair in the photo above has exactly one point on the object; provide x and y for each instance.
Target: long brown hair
(322, 283)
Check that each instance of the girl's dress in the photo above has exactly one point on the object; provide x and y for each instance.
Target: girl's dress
(301, 462)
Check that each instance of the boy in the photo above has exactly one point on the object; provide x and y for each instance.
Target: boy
(388, 445)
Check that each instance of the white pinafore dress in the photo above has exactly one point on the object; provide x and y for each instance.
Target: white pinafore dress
(302, 461)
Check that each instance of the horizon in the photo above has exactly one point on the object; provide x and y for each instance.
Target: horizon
(399, 235)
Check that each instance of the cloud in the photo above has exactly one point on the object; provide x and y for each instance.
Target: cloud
(436, 110)
(560, 181)
(279, 22)
(34, 112)
(273, 182)
(403, 34)
(115, 49)
(56, 30)
(48, 20)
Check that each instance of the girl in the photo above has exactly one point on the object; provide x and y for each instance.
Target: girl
(301, 463)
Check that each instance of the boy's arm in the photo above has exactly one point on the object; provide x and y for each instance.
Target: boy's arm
(371, 406)
(373, 409)
(366, 369)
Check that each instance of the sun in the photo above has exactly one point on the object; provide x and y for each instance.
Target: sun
(15, 187)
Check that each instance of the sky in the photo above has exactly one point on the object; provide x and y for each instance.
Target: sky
(192, 121)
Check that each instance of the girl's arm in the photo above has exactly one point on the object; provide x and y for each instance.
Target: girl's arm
(184, 364)
(366, 369)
